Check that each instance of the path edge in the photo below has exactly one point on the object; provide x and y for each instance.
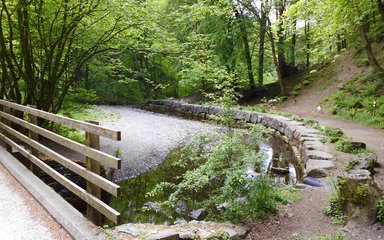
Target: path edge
(64, 213)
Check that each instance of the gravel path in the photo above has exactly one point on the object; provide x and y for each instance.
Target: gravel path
(22, 218)
(147, 137)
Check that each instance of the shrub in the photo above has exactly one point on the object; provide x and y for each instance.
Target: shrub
(334, 134)
(347, 146)
(217, 175)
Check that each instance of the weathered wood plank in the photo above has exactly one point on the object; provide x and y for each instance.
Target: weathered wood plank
(93, 141)
(7, 122)
(32, 120)
(103, 158)
(103, 208)
(81, 171)
(87, 127)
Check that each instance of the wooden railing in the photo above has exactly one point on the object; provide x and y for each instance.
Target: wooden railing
(91, 150)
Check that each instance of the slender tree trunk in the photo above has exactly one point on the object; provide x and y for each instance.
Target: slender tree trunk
(368, 48)
(380, 6)
(306, 28)
(276, 62)
(24, 31)
(263, 29)
(280, 43)
(247, 53)
(293, 46)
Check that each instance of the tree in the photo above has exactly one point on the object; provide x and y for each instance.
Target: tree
(46, 44)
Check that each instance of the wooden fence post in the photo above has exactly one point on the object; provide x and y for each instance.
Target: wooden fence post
(93, 141)
(8, 123)
(34, 120)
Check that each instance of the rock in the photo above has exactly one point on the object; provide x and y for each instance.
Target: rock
(320, 155)
(365, 161)
(222, 207)
(242, 200)
(130, 229)
(340, 86)
(181, 206)
(197, 214)
(317, 173)
(254, 117)
(289, 215)
(300, 186)
(312, 182)
(318, 164)
(314, 145)
(359, 196)
(151, 206)
(251, 174)
(165, 235)
(359, 145)
(280, 170)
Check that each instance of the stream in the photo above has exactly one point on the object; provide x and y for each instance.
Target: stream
(149, 147)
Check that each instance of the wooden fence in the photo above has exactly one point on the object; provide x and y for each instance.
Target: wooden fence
(94, 158)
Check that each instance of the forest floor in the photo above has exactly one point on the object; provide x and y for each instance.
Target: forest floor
(305, 219)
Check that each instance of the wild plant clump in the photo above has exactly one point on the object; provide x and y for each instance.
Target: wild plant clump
(361, 100)
(224, 171)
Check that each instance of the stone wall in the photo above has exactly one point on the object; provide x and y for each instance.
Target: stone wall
(306, 142)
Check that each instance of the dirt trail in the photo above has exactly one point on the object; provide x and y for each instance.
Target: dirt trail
(327, 81)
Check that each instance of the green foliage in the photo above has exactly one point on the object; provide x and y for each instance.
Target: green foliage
(362, 193)
(221, 172)
(334, 134)
(82, 112)
(361, 100)
(335, 207)
(346, 145)
(338, 235)
(380, 210)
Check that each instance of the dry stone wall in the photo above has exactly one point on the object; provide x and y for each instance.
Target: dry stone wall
(306, 142)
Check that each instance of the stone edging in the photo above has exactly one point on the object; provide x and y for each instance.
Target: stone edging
(306, 142)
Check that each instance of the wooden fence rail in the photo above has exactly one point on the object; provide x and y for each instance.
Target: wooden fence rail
(94, 157)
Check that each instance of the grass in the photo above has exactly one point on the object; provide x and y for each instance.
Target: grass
(361, 100)
(81, 112)
(338, 235)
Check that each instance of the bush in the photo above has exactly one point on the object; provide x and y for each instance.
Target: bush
(216, 173)
(334, 134)
(347, 146)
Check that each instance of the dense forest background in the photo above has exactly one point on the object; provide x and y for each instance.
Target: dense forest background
(124, 51)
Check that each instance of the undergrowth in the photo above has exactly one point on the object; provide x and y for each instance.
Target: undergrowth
(338, 235)
(217, 176)
(335, 207)
(361, 100)
(79, 105)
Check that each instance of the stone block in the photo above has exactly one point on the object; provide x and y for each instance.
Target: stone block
(318, 164)
(319, 155)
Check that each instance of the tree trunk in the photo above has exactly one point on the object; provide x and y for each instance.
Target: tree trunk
(263, 29)
(276, 62)
(280, 43)
(306, 28)
(247, 53)
(293, 46)
(366, 44)
(380, 6)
